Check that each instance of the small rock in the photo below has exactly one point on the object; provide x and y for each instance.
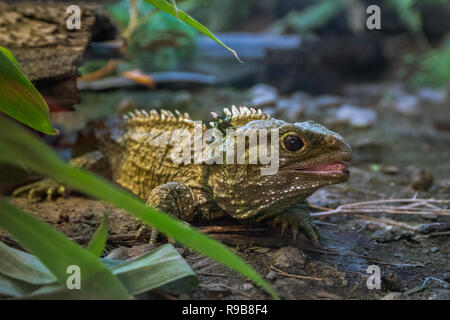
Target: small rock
(407, 104)
(434, 249)
(385, 235)
(288, 257)
(390, 169)
(433, 95)
(272, 275)
(262, 95)
(372, 227)
(355, 116)
(246, 286)
(392, 296)
(327, 101)
(421, 180)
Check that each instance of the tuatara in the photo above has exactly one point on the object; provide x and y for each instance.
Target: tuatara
(134, 152)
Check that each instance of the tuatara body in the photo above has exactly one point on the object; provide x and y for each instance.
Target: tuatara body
(135, 153)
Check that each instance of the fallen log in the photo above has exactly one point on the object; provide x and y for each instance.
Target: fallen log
(48, 52)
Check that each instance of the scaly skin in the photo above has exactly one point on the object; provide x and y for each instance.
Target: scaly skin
(135, 153)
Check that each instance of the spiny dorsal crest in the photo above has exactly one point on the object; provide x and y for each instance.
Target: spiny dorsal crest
(143, 118)
(237, 117)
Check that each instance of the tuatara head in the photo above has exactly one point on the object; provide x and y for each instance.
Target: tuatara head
(310, 156)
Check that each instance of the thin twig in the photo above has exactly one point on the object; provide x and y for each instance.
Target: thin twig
(387, 222)
(298, 276)
(368, 207)
(436, 234)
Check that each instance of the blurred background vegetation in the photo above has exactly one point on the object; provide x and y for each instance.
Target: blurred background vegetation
(157, 41)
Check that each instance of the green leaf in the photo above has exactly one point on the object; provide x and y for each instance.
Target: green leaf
(23, 266)
(9, 55)
(309, 18)
(161, 267)
(19, 98)
(13, 288)
(174, 11)
(19, 147)
(98, 240)
(57, 253)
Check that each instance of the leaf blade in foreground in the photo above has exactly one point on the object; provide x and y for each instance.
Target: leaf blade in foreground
(19, 98)
(98, 240)
(163, 266)
(57, 253)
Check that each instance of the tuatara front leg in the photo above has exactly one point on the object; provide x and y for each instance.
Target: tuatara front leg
(41, 189)
(296, 218)
(174, 198)
(93, 161)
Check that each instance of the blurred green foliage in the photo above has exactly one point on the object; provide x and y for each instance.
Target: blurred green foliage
(310, 18)
(158, 40)
(433, 65)
(232, 12)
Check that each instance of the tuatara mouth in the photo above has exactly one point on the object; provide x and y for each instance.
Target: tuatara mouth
(334, 167)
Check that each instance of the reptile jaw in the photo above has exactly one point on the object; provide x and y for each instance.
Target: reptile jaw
(326, 169)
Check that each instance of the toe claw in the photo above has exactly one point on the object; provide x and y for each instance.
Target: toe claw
(153, 235)
(61, 190)
(50, 192)
(296, 220)
(31, 194)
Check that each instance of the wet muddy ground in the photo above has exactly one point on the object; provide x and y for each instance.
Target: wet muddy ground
(400, 139)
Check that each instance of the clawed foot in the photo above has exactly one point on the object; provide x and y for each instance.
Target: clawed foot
(46, 188)
(149, 231)
(153, 234)
(295, 220)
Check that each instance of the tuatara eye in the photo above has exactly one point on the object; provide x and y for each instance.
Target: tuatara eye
(293, 143)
